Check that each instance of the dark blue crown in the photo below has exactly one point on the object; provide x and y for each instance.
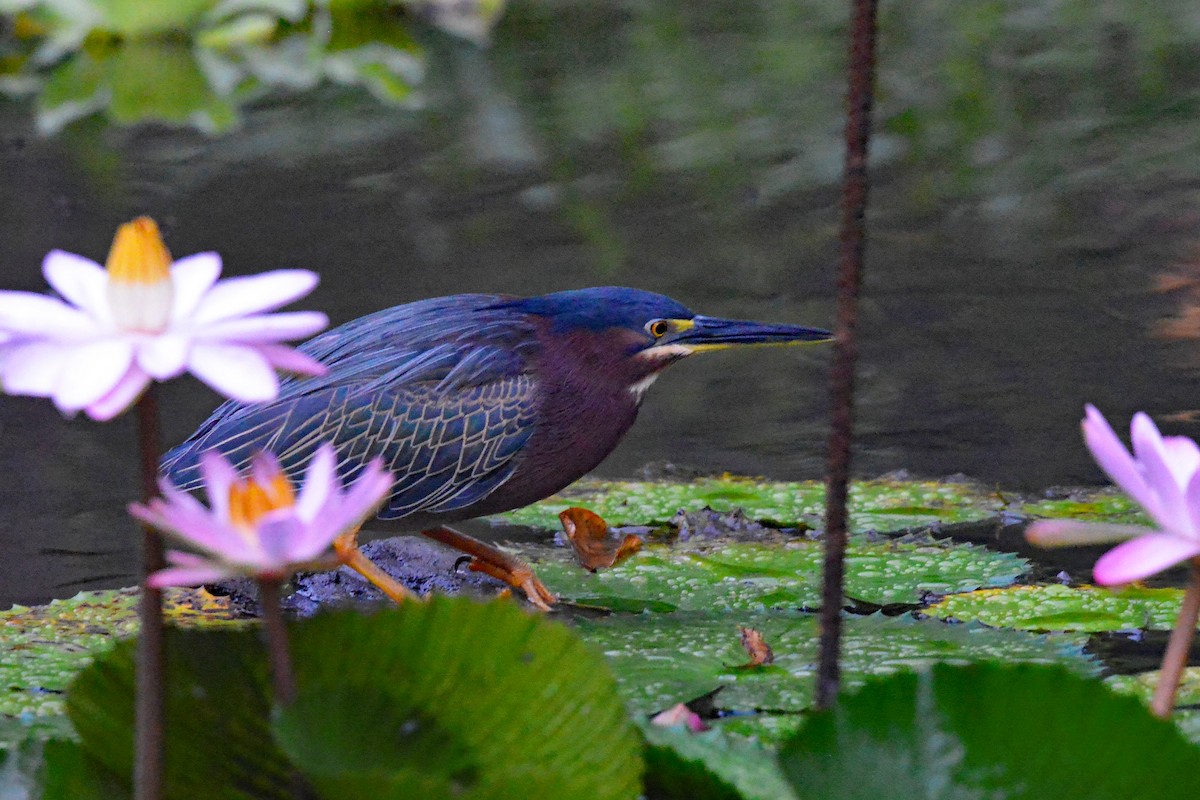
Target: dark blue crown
(602, 308)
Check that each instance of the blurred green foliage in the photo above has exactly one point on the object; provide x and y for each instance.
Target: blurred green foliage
(194, 62)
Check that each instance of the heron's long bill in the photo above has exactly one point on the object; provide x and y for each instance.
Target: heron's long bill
(713, 333)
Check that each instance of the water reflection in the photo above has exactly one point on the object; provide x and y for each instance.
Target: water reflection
(1035, 171)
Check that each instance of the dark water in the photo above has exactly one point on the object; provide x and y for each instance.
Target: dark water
(1036, 171)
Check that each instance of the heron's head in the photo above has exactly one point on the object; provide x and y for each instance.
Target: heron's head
(649, 331)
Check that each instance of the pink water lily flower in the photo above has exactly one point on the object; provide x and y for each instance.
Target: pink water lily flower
(258, 526)
(143, 317)
(1162, 475)
(680, 714)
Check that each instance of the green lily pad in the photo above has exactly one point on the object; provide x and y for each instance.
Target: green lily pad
(162, 82)
(744, 769)
(883, 506)
(752, 575)
(1090, 505)
(45, 646)
(1062, 608)
(194, 62)
(137, 18)
(374, 744)
(1004, 732)
(661, 660)
(137, 81)
(519, 699)
(368, 46)
(769, 730)
(1187, 701)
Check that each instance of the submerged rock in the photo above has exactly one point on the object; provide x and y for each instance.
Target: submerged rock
(421, 565)
(710, 524)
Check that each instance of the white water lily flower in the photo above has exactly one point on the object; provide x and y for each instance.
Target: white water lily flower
(142, 318)
(257, 526)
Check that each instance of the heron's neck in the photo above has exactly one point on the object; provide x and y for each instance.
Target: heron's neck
(585, 403)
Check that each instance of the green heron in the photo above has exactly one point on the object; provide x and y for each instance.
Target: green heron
(477, 403)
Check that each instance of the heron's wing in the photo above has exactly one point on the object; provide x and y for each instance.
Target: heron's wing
(447, 411)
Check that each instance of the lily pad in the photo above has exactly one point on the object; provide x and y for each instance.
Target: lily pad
(137, 81)
(1061, 608)
(769, 730)
(751, 575)
(661, 660)
(745, 769)
(1187, 701)
(1090, 505)
(882, 505)
(45, 646)
(519, 699)
(1004, 732)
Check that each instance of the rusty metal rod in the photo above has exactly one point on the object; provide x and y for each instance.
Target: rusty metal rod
(845, 353)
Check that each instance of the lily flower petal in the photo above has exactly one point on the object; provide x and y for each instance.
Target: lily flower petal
(81, 281)
(164, 356)
(91, 372)
(193, 277)
(38, 315)
(172, 495)
(1115, 460)
(253, 294)
(236, 371)
(257, 526)
(319, 481)
(1072, 533)
(197, 528)
(1142, 557)
(1163, 476)
(219, 477)
(1171, 514)
(1182, 457)
(121, 396)
(266, 327)
(169, 317)
(186, 576)
(1192, 499)
(289, 359)
(369, 490)
(264, 469)
(32, 368)
(279, 533)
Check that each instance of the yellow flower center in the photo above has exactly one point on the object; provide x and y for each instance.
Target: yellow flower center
(140, 291)
(250, 500)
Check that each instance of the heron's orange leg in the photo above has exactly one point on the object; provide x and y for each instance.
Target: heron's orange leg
(495, 562)
(345, 547)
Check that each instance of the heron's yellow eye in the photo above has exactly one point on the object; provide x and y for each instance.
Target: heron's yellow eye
(658, 328)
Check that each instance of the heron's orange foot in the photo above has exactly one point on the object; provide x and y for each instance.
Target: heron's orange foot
(345, 547)
(500, 565)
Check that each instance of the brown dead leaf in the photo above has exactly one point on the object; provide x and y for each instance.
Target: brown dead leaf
(588, 534)
(756, 646)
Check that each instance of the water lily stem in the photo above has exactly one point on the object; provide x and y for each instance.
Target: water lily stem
(1180, 644)
(150, 710)
(845, 353)
(277, 641)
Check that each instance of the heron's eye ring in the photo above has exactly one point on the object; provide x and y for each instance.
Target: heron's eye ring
(658, 328)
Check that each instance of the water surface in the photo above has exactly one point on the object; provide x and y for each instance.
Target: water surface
(1036, 172)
